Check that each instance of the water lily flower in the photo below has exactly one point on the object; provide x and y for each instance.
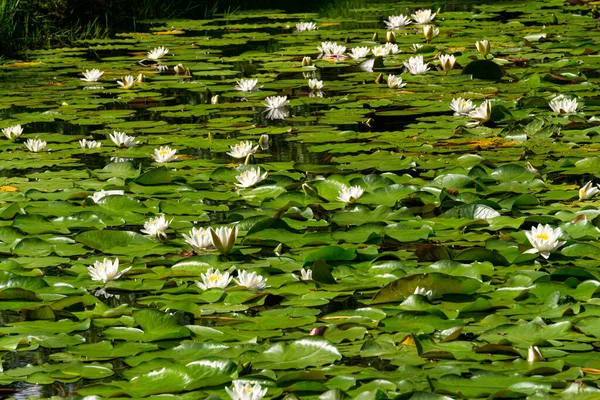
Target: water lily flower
(247, 85)
(215, 99)
(251, 280)
(263, 142)
(423, 16)
(213, 278)
(359, 52)
(224, 238)
(164, 154)
(89, 144)
(392, 48)
(420, 290)
(397, 21)
(483, 47)
(534, 354)
(199, 239)
(35, 145)
(380, 51)
(306, 61)
(156, 226)
(416, 66)
(482, 113)
(13, 132)
(242, 149)
(315, 84)
(120, 159)
(331, 50)
(430, 31)
(106, 270)
(562, 105)
(103, 193)
(92, 75)
(390, 37)
(273, 102)
(544, 240)
(416, 46)
(179, 69)
(128, 82)
(306, 26)
(395, 82)
(350, 194)
(157, 53)
(250, 177)
(588, 191)
(121, 139)
(461, 107)
(241, 391)
(447, 62)
(305, 275)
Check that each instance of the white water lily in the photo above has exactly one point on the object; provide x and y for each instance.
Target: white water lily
(89, 144)
(247, 85)
(120, 159)
(430, 31)
(359, 52)
(315, 84)
(534, 354)
(224, 238)
(164, 154)
(273, 102)
(305, 275)
(103, 193)
(420, 290)
(392, 48)
(306, 26)
(36, 145)
(307, 62)
(461, 107)
(13, 132)
(121, 139)
(423, 16)
(562, 105)
(397, 21)
(250, 177)
(350, 194)
(331, 50)
(213, 278)
(215, 99)
(242, 149)
(416, 66)
(380, 51)
(447, 61)
(157, 52)
(416, 46)
(127, 82)
(92, 75)
(544, 240)
(483, 47)
(395, 82)
(251, 280)
(199, 239)
(156, 226)
(482, 113)
(263, 142)
(588, 191)
(245, 391)
(106, 270)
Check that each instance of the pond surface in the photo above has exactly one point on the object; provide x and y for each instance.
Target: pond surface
(399, 250)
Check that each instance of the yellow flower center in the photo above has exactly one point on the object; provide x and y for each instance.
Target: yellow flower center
(248, 390)
(163, 152)
(543, 236)
(463, 103)
(213, 278)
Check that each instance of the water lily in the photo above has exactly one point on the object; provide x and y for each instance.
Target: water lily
(92, 75)
(103, 193)
(482, 113)
(245, 391)
(250, 177)
(13, 132)
(350, 194)
(430, 31)
(106, 270)
(359, 52)
(156, 226)
(588, 191)
(306, 61)
(215, 99)
(164, 154)
(315, 84)
(273, 102)
(331, 50)
(305, 275)
(416, 66)
(247, 85)
(544, 240)
(251, 280)
(483, 47)
(390, 37)
(242, 149)
(380, 51)
(422, 291)
(199, 239)
(35, 145)
(213, 278)
(392, 48)
(395, 82)
(562, 105)
(157, 52)
(397, 21)
(461, 107)
(263, 142)
(447, 62)
(416, 46)
(224, 238)
(121, 139)
(423, 16)
(127, 82)
(306, 26)
(534, 354)
(89, 144)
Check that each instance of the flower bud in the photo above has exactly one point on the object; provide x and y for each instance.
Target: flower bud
(306, 62)
(483, 47)
(430, 31)
(263, 142)
(214, 99)
(390, 37)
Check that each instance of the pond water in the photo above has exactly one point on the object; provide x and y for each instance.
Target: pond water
(399, 250)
